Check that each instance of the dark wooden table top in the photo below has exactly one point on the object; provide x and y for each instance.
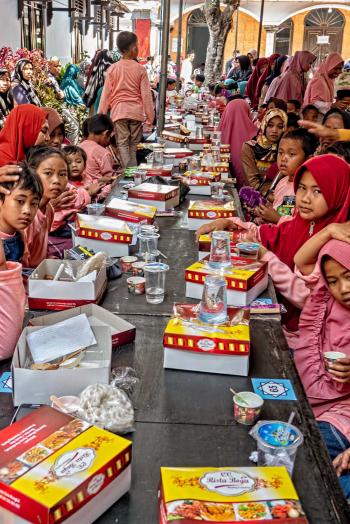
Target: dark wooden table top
(186, 418)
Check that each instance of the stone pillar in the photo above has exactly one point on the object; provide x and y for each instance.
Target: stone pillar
(270, 39)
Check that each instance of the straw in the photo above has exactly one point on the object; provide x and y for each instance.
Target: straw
(239, 398)
(286, 433)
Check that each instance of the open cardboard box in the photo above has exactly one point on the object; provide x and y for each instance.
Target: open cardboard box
(122, 332)
(56, 294)
(30, 386)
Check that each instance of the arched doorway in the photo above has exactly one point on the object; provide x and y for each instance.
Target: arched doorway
(323, 32)
(284, 37)
(197, 36)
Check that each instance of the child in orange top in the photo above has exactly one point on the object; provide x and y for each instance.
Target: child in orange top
(52, 169)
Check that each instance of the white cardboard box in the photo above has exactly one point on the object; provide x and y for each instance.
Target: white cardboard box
(57, 295)
(130, 211)
(31, 386)
(202, 211)
(163, 197)
(122, 332)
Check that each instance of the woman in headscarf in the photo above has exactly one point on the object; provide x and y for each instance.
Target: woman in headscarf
(56, 128)
(96, 78)
(291, 84)
(6, 96)
(72, 91)
(243, 71)
(260, 91)
(22, 86)
(25, 127)
(320, 89)
(250, 91)
(237, 127)
(259, 154)
(334, 119)
(281, 65)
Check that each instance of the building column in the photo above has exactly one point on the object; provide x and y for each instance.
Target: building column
(270, 39)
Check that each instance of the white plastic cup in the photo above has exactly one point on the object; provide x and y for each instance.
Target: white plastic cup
(155, 282)
(95, 209)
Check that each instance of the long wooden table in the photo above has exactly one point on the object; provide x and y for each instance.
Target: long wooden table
(186, 418)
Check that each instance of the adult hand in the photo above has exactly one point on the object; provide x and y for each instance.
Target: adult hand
(342, 462)
(221, 224)
(320, 130)
(64, 201)
(8, 174)
(340, 370)
(267, 213)
(340, 231)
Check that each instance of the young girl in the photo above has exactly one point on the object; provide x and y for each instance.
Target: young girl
(259, 154)
(325, 326)
(318, 203)
(77, 158)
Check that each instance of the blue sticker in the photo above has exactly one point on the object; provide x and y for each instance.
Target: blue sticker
(6, 382)
(273, 388)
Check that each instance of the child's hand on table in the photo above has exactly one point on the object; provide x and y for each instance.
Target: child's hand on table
(340, 370)
(267, 213)
(342, 462)
(221, 224)
(8, 174)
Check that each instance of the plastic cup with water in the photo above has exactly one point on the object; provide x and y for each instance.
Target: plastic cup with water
(155, 282)
(213, 306)
(220, 250)
(148, 246)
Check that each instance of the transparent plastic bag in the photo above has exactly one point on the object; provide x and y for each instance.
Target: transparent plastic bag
(125, 378)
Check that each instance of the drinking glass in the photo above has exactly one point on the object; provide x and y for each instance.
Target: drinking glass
(155, 282)
(220, 250)
(148, 246)
(213, 306)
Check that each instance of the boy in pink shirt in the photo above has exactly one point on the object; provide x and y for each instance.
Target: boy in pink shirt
(127, 93)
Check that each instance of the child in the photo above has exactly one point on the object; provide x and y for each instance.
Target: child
(199, 81)
(276, 103)
(292, 123)
(294, 149)
(56, 128)
(18, 210)
(52, 168)
(127, 92)
(99, 164)
(324, 326)
(77, 159)
(12, 301)
(318, 203)
(293, 106)
(341, 149)
(310, 113)
(170, 91)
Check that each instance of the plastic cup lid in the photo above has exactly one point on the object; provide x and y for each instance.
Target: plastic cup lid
(278, 434)
(156, 267)
(251, 246)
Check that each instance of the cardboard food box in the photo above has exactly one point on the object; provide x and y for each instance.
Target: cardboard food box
(163, 197)
(192, 345)
(165, 170)
(130, 211)
(204, 243)
(103, 233)
(246, 280)
(172, 137)
(53, 467)
(36, 386)
(199, 182)
(202, 211)
(221, 167)
(122, 332)
(59, 294)
(230, 495)
(176, 155)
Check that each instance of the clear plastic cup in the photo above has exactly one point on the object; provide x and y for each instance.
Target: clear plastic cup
(278, 443)
(217, 190)
(158, 157)
(220, 250)
(155, 282)
(215, 151)
(213, 306)
(95, 209)
(148, 246)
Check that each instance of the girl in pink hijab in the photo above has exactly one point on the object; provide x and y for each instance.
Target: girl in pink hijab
(320, 89)
(291, 84)
(325, 327)
(237, 127)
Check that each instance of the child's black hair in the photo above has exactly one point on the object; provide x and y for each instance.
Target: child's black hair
(85, 128)
(340, 149)
(217, 90)
(99, 124)
(296, 103)
(125, 40)
(343, 93)
(75, 150)
(38, 154)
(28, 180)
(200, 78)
(308, 141)
(279, 103)
(309, 107)
(293, 120)
(170, 81)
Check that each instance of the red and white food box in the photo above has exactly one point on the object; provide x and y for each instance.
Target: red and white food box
(46, 293)
(35, 386)
(197, 144)
(163, 197)
(172, 138)
(246, 279)
(192, 345)
(204, 243)
(202, 211)
(222, 168)
(103, 233)
(130, 211)
(122, 332)
(165, 171)
(55, 468)
(176, 155)
(199, 182)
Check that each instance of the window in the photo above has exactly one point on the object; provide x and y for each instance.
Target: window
(283, 40)
(33, 27)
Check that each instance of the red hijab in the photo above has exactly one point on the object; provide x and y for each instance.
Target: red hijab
(20, 132)
(253, 81)
(266, 73)
(332, 175)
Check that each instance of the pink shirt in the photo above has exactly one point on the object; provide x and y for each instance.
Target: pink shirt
(36, 237)
(82, 199)
(283, 188)
(127, 92)
(12, 301)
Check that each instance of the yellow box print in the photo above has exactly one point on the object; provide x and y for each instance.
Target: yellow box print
(236, 273)
(238, 332)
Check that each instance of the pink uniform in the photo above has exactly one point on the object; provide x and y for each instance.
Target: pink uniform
(99, 164)
(12, 301)
(283, 188)
(36, 237)
(82, 199)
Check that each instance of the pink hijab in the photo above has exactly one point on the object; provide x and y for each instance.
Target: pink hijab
(237, 127)
(291, 84)
(321, 87)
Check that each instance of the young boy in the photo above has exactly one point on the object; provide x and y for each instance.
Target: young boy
(199, 81)
(170, 91)
(294, 148)
(311, 113)
(127, 92)
(77, 160)
(293, 106)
